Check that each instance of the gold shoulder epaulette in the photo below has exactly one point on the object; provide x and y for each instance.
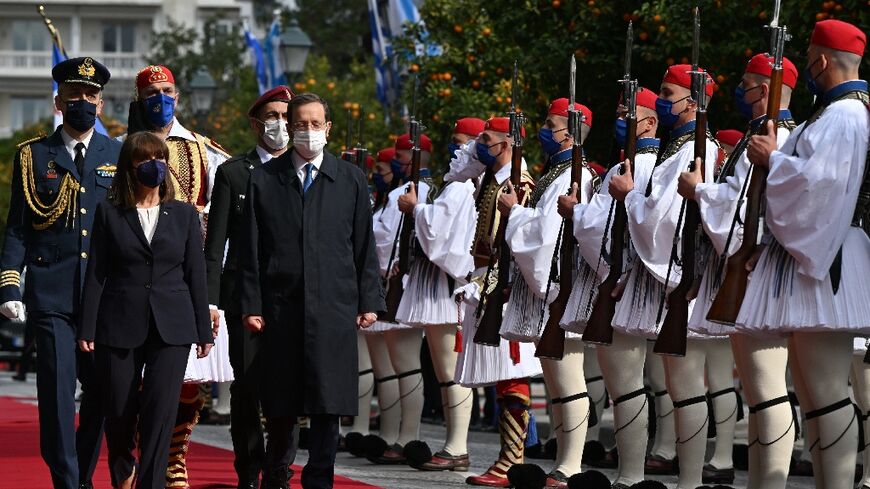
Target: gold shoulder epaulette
(211, 144)
(41, 135)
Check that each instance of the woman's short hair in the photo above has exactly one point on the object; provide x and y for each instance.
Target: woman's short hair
(139, 146)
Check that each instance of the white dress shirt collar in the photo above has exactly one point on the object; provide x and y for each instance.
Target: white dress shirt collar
(70, 142)
(264, 155)
(179, 131)
(299, 164)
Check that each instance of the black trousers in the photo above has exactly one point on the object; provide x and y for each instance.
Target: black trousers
(322, 444)
(71, 455)
(153, 408)
(246, 430)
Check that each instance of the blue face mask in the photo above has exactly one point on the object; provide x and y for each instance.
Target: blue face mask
(740, 102)
(548, 142)
(380, 184)
(663, 109)
(810, 80)
(483, 155)
(160, 109)
(80, 115)
(620, 132)
(452, 148)
(398, 168)
(151, 173)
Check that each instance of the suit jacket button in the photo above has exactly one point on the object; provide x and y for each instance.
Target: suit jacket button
(83, 210)
(82, 189)
(84, 232)
(84, 256)
(147, 262)
(147, 286)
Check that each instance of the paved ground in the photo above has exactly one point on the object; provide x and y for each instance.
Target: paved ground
(483, 448)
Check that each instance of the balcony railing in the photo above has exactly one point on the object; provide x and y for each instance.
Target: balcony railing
(38, 64)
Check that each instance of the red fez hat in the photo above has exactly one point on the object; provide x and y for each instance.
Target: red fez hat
(502, 124)
(153, 74)
(762, 64)
(404, 142)
(647, 98)
(679, 75)
(386, 155)
(370, 162)
(839, 35)
(600, 170)
(470, 126)
(560, 107)
(729, 136)
(280, 93)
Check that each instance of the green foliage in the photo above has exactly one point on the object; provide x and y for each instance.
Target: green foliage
(481, 39)
(352, 88)
(339, 29)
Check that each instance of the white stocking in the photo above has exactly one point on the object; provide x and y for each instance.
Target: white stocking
(567, 387)
(456, 400)
(388, 390)
(664, 443)
(861, 390)
(824, 360)
(720, 378)
(223, 401)
(810, 426)
(404, 346)
(366, 386)
(622, 365)
(761, 363)
(595, 388)
(685, 377)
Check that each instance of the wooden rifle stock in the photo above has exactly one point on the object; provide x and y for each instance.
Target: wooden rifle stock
(552, 342)
(395, 288)
(493, 312)
(729, 298)
(599, 327)
(672, 337)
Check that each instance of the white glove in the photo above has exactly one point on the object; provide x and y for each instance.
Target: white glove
(14, 310)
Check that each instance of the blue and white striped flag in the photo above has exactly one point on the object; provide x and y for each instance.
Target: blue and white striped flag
(386, 79)
(259, 61)
(272, 51)
(56, 57)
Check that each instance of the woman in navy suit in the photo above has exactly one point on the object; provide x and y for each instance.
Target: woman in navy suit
(144, 303)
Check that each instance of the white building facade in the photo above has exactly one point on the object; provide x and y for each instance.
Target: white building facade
(117, 33)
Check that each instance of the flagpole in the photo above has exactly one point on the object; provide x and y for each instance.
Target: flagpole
(55, 35)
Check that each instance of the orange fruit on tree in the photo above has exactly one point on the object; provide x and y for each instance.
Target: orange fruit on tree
(643, 36)
(446, 77)
(486, 31)
(415, 68)
(457, 28)
(556, 4)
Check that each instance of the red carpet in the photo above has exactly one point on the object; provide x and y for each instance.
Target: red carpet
(22, 467)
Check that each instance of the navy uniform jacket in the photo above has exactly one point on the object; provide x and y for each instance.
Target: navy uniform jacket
(46, 184)
(130, 281)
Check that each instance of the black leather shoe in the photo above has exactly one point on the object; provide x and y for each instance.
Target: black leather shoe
(248, 485)
(86, 485)
(712, 475)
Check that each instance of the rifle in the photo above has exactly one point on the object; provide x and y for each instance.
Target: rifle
(395, 290)
(672, 337)
(490, 323)
(347, 154)
(361, 153)
(552, 342)
(729, 298)
(599, 327)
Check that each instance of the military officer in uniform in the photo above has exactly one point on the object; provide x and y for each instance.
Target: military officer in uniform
(56, 184)
(268, 117)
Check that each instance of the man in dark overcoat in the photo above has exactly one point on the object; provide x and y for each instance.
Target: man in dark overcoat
(309, 278)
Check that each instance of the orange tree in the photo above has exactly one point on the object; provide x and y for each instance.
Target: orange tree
(481, 39)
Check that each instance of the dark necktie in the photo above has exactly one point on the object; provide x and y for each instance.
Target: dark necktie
(80, 159)
(309, 177)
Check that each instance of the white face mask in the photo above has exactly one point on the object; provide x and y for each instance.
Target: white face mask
(309, 144)
(275, 135)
